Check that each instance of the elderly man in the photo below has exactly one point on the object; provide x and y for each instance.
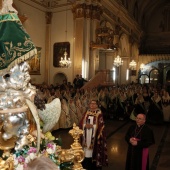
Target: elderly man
(139, 137)
(94, 139)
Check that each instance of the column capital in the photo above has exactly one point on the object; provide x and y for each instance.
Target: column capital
(84, 10)
(48, 17)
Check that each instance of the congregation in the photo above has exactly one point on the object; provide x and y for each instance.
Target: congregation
(116, 102)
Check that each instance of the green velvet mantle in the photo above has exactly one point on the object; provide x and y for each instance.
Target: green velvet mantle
(15, 43)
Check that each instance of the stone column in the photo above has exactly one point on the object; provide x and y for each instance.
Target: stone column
(116, 36)
(94, 53)
(0, 4)
(47, 46)
(85, 15)
(132, 76)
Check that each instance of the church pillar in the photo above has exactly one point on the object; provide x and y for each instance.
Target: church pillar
(47, 47)
(85, 19)
(133, 73)
(94, 53)
(0, 4)
(116, 37)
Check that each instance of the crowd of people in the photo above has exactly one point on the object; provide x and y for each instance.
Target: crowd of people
(89, 108)
(122, 102)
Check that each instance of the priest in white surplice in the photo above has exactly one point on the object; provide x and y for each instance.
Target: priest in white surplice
(94, 140)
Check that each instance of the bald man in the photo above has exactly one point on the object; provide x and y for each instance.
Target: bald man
(139, 138)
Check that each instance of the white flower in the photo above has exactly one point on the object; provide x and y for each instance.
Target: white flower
(15, 160)
(19, 167)
(50, 151)
(27, 159)
(51, 148)
(30, 157)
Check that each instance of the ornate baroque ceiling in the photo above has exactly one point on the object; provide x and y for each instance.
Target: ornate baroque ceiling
(141, 10)
(50, 4)
(153, 16)
(144, 9)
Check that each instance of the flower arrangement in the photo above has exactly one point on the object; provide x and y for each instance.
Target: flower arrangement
(50, 147)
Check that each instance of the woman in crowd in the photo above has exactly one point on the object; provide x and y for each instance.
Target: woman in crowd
(115, 102)
(166, 106)
(139, 106)
(121, 106)
(73, 112)
(155, 114)
(65, 119)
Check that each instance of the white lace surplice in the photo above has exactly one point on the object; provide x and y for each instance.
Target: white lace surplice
(90, 133)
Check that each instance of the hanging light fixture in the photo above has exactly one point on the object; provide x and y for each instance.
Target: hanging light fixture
(132, 65)
(142, 66)
(118, 61)
(65, 62)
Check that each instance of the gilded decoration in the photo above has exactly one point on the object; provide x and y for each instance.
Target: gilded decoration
(19, 135)
(87, 11)
(104, 37)
(34, 63)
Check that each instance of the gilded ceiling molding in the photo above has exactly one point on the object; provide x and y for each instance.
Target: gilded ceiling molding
(118, 22)
(49, 4)
(87, 11)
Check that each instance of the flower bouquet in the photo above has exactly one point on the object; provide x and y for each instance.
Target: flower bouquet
(50, 147)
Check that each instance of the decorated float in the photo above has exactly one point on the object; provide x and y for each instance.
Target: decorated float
(21, 138)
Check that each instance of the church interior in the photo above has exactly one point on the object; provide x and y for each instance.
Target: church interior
(94, 33)
(118, 47)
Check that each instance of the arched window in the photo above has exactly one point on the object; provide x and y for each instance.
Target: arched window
(154, 76)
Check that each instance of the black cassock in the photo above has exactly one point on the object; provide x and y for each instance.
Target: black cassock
(138, 156)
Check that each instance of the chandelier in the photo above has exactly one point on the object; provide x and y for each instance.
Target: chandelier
(64, 62)
(142, 66)
(118, 61)
(132, 65)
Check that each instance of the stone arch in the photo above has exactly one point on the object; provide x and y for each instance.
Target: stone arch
(158, 58)
(168, 76)
(58, 78)
(154, 77)
(143, 79)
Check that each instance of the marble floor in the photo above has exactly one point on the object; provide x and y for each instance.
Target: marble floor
(117, 147)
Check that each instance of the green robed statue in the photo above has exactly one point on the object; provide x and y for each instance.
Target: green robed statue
(15, 44)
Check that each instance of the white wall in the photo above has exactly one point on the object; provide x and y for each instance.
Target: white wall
(36, 28)
(59, 35)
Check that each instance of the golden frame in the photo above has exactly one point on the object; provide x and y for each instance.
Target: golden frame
(59, 49)
(35, 63)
